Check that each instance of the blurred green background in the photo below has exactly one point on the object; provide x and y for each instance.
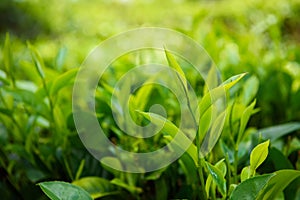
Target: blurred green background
(260, 37)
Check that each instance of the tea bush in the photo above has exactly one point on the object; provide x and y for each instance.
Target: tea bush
(257, 154)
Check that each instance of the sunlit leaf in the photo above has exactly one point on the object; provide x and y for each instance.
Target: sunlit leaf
(170, 129)
(258, 155)
(62, 81)
(250, 88)
(174, 64)
(96, 186)
(213, 95)
(244, 120)
(37, 59)
(245, 174)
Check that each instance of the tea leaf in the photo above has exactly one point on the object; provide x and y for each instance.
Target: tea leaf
(172, 130)
(250, 89)
(62, 81)
(250, 188)
(174, 64)
(8, 58)
(279, 181)
(244, 120)
(37, 59)
(245, 174)
(213, 95)
(96, 186)
(258, 155)
(275, 132)
(223, 169)
(217, 177)
(57, 190)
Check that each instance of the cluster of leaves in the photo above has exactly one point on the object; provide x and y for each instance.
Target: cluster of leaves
(39, 142)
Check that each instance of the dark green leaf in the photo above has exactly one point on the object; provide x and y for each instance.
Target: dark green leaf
(57, 190)
(278, 183)
(275, 132)
(250, 188)
(217, 177)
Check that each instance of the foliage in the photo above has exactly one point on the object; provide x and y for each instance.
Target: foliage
(257, 154)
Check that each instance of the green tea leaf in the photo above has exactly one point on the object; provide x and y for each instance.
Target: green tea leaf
(244, 120)
(250, 88)
(245, 174)
(8, 58)
(278, 131)
(217, 177)
(174, 64)
(279, 181)
(57, 190)
(229, 83)
(258, 155)
(250, 188)
(223, 169)
(96, 186)
(37, 59)
(213, 95)
(62, 81)
(170, 129)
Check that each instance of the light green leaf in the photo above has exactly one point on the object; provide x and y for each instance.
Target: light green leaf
(37, 59)
(57, 190)
(250, 88)
(229, 83)
(205, 123)
(217, 177)
(8, 58)
(244, 120)
(258, 155)
(208, 185)
(223, 169)
(174, 64)
(245, 174)
(278, 183)
(218, 92)
(62, 81)
(170, 129)
(250, 188)
(96, 186)
(111, 161)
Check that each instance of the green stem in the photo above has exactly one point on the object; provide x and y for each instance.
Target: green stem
(228, 175)
(235, 167)
(201, 175)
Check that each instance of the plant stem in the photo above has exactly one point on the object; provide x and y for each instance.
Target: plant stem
(201, 175)
(228, 175)
(235, 167)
